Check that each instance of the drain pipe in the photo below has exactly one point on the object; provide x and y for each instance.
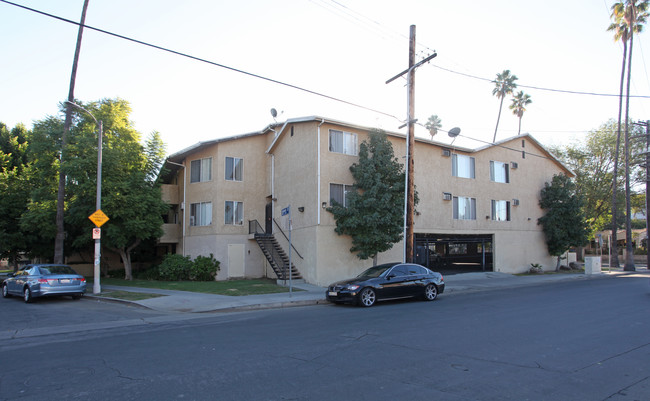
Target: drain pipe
(268, 151)
(318, 203)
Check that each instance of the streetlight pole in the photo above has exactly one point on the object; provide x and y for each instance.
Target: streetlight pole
(98, 202)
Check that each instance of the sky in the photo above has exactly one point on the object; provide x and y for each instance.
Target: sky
(343, 49)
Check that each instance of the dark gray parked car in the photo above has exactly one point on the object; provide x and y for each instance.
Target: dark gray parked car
(41, 280)
(388, 281)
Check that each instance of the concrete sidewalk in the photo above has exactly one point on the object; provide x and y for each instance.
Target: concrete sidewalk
(306, 294)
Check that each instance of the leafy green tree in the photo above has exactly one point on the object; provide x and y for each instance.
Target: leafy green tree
(373, 216)
(14, 192)
(131, 196)
(593, 160)
(563, 224)
(638, 205)
(518, 106)
(38, 221)
(504, 85)
(433, 125)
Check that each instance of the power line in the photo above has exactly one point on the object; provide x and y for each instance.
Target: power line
(538, 87)
(336, 3)
(178, 53)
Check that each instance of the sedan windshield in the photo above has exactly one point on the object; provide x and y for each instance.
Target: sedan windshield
(376, 271)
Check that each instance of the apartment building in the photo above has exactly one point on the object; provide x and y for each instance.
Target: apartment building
(233, 197)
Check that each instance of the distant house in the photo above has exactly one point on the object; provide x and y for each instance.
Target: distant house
(478, 208)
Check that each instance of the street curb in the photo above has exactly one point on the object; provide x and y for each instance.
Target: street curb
(113, 300)
(275, 305)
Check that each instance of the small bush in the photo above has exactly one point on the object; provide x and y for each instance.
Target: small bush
(536, 268)
(204, 268)
(150, 274)
(175, 267)
(116, 273)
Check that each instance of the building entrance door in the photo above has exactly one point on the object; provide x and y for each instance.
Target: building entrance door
(268, 227)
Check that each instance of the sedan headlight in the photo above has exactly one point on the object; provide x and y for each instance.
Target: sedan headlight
(352, 287)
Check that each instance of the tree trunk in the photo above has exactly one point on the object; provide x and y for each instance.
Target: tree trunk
(494, 139)
(629, 248)
(126, 259)
(60, 199)
(557, 265)
(614, 242)
(519, 132)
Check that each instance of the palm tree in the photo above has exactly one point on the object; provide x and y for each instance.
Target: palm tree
(629, 17)
(620, 33)
(504, 85)
(433, 124)
(518, 106)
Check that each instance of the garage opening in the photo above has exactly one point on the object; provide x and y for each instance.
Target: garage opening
(453, 253)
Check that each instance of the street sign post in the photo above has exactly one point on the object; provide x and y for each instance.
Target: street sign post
(287, 212)
(98, 218)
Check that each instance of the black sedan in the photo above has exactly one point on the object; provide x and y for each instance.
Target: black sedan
(388, 281)
(41, 280)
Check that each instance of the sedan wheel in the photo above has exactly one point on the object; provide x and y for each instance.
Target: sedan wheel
(430, 292)
(367, 297)
(27, 295)
(5, 291)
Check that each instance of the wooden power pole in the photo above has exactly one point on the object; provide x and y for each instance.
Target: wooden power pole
(409, 201)
(410, 193)
(60, 199)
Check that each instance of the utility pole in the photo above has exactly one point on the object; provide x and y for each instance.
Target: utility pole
(646, 124)
(60, 199)
(409, 191)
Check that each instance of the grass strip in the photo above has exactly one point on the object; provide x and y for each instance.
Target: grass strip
(229, 287)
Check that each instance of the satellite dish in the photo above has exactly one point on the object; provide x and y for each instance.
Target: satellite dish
(274, 113)
(454, 132)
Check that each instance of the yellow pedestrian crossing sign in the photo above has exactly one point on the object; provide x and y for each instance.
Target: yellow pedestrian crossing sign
(99, 218)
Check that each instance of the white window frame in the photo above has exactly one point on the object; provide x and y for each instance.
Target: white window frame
(463, 166)
(234, 169)
(201, 170)
(464, 208)
(201, 214)
(500, 210)
(234, 216)
(342, 189)
(343, 142)
(499, 172)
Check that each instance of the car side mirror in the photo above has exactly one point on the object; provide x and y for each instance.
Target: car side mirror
(390, 276)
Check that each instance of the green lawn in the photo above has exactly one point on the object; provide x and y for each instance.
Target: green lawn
(230, 287)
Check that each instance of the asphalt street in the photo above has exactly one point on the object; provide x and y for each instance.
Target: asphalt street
(574, 340)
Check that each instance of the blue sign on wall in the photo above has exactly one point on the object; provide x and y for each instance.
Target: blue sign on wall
(285, 211)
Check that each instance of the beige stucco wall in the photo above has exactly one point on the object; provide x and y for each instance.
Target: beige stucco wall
(252, 191)
(299, 168)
